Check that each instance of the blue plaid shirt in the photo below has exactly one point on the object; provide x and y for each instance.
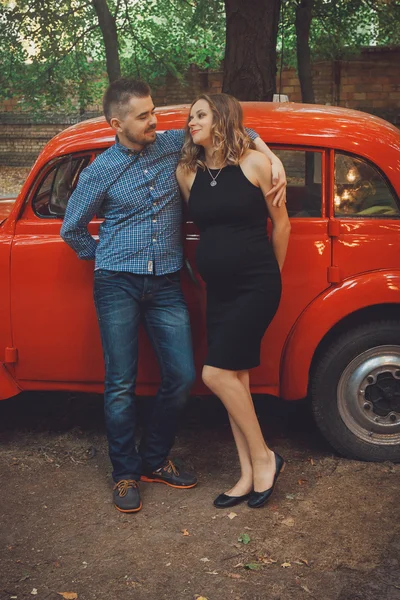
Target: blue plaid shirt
(138, 195)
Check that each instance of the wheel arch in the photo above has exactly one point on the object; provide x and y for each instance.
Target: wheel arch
(357, 300)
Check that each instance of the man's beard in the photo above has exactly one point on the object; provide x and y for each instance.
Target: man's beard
(144, 141)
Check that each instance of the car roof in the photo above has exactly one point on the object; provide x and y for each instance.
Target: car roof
(283, 123)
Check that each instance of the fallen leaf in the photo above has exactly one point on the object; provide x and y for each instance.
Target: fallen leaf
(302, 481)
(273, 507)
(312, 461)
(212, 572)
(205, 559)
(305, 588)
(303, 560)
(289, 522)
(291, 496)
(244, 538)
(252, 566)
(34, 592)
(285, 565)
(185, 532)
(249, 528)
(267, 560)
(234, 575)
(232, 515)
(68, 595)
(200, 597)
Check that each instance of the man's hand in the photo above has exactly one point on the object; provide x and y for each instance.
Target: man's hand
(279, 182)
(278, 190)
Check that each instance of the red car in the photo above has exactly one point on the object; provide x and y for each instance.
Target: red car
(336, 335)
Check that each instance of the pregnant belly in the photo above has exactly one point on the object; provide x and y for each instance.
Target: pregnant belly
(225, 255)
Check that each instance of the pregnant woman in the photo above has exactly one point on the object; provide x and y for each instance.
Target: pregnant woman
(226, 184)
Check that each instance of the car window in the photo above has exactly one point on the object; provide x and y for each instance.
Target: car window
(361, 190)
(304, 182)
(52, 195)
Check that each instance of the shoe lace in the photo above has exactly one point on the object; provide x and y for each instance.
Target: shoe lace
(124, 485)
(169, 467)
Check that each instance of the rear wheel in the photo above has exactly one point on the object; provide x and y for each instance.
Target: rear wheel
(355, 392)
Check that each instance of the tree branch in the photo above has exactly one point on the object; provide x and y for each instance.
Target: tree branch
(78, 39)
(140, 42)
(117, 8)
(373, 6)
(73, 11)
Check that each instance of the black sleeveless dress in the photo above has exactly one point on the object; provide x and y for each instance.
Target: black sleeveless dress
(236, 260)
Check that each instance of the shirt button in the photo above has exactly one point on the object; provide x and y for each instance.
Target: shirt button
(154, 220)
(154, 239)
(145, 171)
(151, 187)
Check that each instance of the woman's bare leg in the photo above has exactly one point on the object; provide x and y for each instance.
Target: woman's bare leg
(245, 483)
(235, 395)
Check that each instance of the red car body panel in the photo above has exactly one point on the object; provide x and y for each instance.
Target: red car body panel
(49, 336)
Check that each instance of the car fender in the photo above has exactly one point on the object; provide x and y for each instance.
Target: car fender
(8, 387)
(323, 313)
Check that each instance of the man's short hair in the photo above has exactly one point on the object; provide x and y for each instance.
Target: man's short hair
(118, 94)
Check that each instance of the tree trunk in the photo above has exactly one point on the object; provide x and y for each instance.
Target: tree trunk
(303, 22)
(110, 38)
(250, 52)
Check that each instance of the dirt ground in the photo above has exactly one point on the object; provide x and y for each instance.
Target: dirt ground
(329, 532)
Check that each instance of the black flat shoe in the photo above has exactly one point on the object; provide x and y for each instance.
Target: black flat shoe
(224, 501)
(258, 499)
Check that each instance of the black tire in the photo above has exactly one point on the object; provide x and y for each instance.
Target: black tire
(334, 400)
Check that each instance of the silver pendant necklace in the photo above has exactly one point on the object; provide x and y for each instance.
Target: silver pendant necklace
(213, 181)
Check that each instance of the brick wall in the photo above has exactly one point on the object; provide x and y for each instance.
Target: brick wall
(21, 143)
(369, 81)
(21, 139)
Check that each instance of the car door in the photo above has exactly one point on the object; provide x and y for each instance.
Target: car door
(307, 269)
(54, 323)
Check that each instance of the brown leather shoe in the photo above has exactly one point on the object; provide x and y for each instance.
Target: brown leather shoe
(126, 496)
(171, 475)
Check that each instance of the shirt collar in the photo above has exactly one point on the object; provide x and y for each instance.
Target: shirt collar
(121, 148)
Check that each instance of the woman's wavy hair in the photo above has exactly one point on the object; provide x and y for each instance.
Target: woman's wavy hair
(229, 138)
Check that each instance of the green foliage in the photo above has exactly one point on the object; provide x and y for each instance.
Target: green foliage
(168, 36)
(341, 27)
(52, 55)
(52, 52)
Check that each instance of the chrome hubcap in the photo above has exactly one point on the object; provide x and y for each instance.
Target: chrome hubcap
(368, 395)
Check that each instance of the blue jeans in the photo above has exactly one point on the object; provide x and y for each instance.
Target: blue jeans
(123, 300)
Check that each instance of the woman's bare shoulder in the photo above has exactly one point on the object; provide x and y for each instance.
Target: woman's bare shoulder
(255, 158)
(256, 162)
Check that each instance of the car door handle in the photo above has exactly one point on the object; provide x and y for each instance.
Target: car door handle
(191, 273)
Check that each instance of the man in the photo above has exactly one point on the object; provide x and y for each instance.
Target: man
(137, 264)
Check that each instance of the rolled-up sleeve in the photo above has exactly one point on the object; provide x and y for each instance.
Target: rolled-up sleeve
(82, 206)
(251, 133)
